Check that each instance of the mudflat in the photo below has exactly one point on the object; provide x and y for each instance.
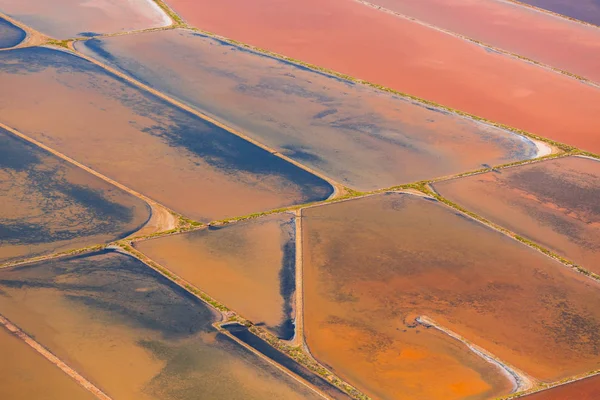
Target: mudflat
(375, 267)
(248, 266)
(553, 203)
(358, 40)
(133, 333)
(50, 205)
(143, 142)
(364, 138)
(554, 41)
(63, 19)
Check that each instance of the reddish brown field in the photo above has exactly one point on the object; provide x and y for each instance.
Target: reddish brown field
(372, 266)
(24, 374)
(554, 203)
(557, 42)
(358, 40)
(586, 389)
(249, 266)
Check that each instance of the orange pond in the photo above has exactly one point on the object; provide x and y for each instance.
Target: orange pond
(133, 333)
(586, 389)
(355, 39)
(49, 205)
(175, 158)
(554, 203)
(374, 265)
(63, 19)
(248, 266)
(557, 42)
(364, 138)
(25, 374)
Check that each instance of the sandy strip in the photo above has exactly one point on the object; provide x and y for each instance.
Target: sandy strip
(520, 380)
(33, 38)
(298, 338)
(53, 359)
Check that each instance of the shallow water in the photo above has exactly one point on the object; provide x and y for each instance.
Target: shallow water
(364, 138)
(63, 19)
(25, 374)
(373, 266)
(177, 159)
(10, 35)
(49, 205)
(554, 203)
(249, 266)
(134, 333)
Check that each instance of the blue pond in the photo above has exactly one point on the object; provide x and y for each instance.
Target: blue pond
(10, 35)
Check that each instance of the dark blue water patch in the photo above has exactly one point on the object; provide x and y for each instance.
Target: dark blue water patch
(88, 34)
(81, 210)
(287, 281)
(119, 287)
(15, 153)
(581, 10)
(178, 128)
(10, 34)
(242, 333)
(325, 113)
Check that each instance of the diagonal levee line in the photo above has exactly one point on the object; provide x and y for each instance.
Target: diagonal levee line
(53, 359)
(338, 187)
(507, 53)
(150, 202)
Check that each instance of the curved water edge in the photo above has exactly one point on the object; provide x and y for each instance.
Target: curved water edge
(521, 382)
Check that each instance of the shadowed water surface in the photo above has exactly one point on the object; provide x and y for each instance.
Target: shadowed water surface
(143, 142)
(10, 35)
(365, 138)
(63, 19)
(249, 266)
(243, 333)
(50, 205)
(134, 333)
(584, 10)
(554, 203)
(373, 266)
